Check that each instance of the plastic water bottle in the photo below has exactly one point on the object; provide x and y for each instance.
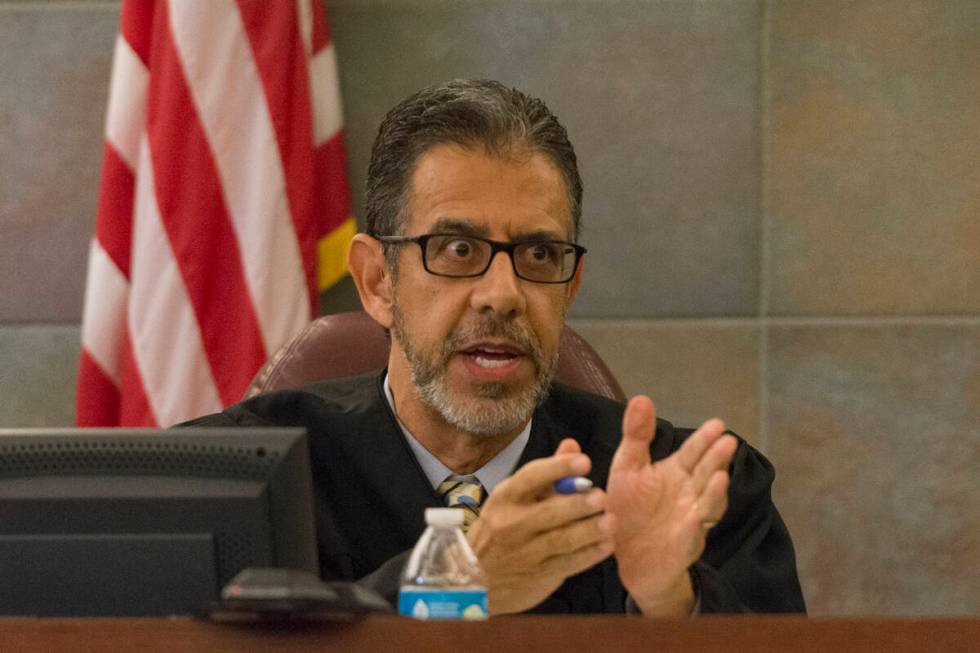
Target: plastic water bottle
(442, 579)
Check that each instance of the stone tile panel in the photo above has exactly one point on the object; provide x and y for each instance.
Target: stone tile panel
(55, 76)
(692, 371)
(38, 368)
(660, 100)
(874, 169)
(875, 434)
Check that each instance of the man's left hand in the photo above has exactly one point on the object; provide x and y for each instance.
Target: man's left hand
(664, 510)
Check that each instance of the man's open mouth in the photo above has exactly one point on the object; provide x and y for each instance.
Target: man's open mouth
(492, 357)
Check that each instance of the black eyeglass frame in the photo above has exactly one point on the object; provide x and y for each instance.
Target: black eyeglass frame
(495, 247)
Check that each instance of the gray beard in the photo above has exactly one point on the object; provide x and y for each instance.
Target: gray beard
(496, 408)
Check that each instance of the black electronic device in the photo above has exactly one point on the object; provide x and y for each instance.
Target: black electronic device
(136, 522)
(264, 594)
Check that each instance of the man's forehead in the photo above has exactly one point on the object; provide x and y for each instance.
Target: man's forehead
(470, 191)
(476, 227)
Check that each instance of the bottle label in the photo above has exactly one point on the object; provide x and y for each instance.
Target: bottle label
(443, 604)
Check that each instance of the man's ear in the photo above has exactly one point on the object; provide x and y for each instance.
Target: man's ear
(369, 270)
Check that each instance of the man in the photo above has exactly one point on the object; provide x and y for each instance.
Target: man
(470, 260)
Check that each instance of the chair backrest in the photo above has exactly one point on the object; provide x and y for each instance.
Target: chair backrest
(346, 344)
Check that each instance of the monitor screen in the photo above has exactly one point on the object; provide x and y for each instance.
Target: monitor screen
(134, 522)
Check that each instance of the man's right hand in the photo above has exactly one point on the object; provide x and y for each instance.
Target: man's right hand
(530, 539)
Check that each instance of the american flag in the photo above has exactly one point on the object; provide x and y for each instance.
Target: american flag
(223, 208)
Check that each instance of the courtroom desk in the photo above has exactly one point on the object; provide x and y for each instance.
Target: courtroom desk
(755, 634)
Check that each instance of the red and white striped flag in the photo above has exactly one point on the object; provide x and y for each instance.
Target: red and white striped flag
(223, 209)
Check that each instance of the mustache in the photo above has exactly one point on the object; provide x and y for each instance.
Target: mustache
(493, 327)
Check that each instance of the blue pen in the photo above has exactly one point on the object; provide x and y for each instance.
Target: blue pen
(572, 484)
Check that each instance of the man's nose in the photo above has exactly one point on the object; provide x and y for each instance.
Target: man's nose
(499, 290)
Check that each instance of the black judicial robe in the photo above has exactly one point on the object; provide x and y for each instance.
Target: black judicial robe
(372, 493)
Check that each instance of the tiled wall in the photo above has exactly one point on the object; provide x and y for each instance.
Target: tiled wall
(782, 210)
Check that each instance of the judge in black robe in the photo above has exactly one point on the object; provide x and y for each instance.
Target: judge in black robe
(371, 495)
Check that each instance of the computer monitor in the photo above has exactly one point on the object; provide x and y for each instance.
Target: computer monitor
(136, 522)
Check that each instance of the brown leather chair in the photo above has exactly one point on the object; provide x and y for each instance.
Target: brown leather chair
(352, 343)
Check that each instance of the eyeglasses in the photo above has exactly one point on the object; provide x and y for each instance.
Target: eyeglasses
(454, 255)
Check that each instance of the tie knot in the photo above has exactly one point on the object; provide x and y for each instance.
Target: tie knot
(465, 494)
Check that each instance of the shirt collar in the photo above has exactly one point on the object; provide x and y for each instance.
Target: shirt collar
(495, 470)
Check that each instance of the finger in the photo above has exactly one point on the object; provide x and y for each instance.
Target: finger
(571, 537)
(713, 502)
(697, 444)
(639, 426)
(717, 457)
(577, 561)
(559, 510)
(568, 445)
(538, 476)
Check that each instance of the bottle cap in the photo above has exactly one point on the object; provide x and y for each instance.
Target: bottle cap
(443, 516)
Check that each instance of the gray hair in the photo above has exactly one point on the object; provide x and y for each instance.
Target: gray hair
(469, 113)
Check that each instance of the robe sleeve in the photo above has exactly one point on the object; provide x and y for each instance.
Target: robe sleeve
(748, 564)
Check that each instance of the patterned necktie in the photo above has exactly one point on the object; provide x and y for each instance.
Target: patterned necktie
(464, 494)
